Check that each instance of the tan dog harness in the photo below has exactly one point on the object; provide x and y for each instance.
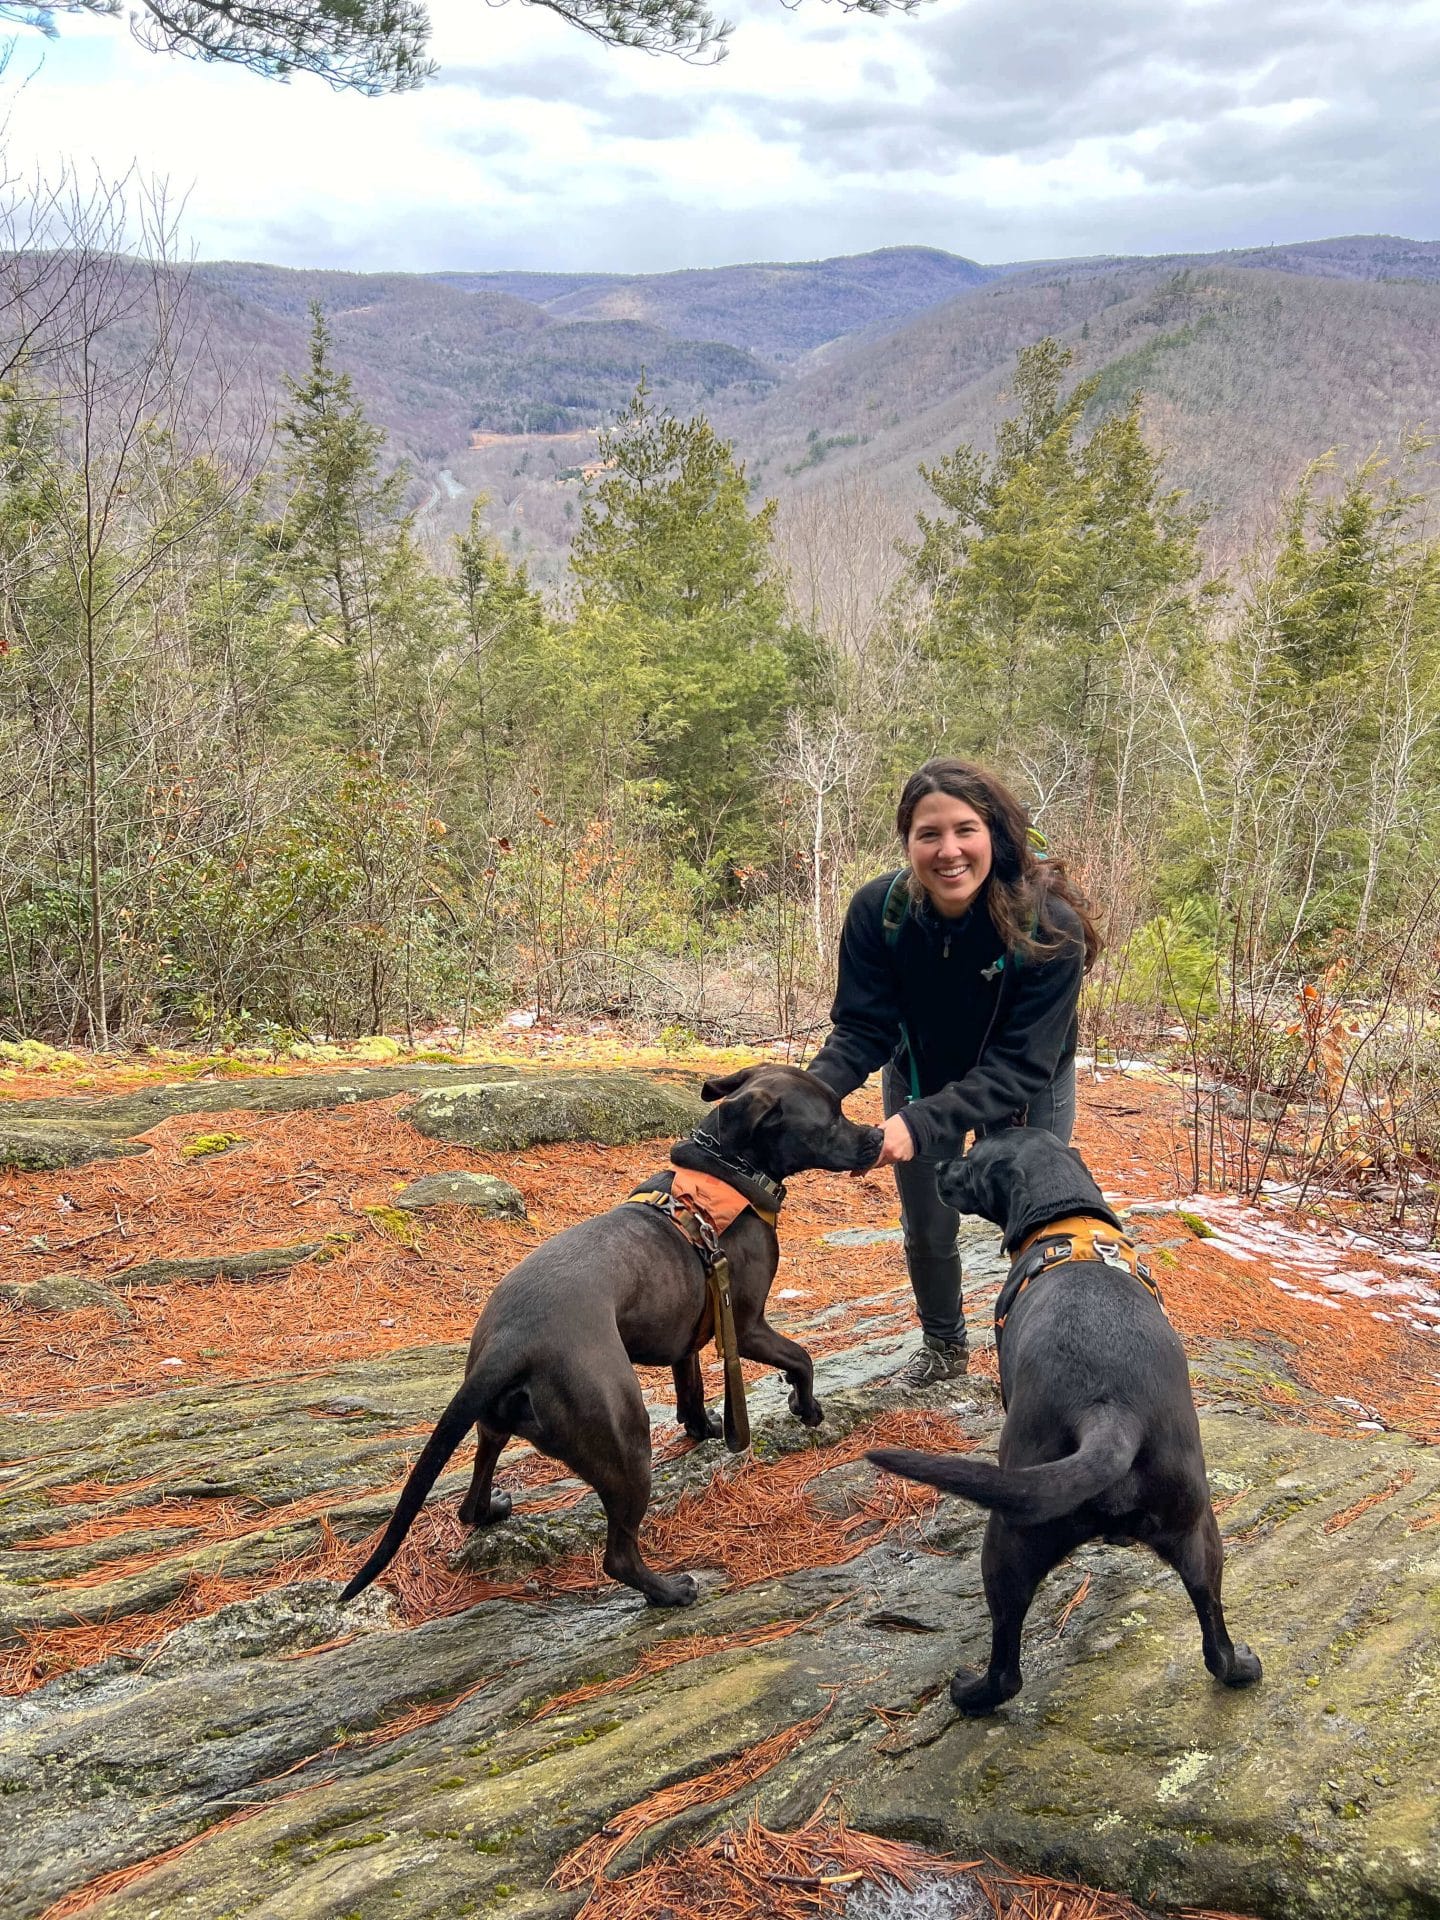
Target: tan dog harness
(1077, 1237)
(701, 1207)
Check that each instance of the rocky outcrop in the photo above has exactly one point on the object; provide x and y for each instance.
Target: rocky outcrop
(38, 1135)
(43, 1145)
(502, 1116)
(257, 1263)
(61, 1293)
(421, 1771)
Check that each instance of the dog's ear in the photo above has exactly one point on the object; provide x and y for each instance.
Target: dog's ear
(727, 1083)
(969, 1185)
(741, 1116)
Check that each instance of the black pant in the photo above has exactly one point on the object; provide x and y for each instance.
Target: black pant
(932, 1257)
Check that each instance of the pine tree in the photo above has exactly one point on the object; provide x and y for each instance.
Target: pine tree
(504, 629)
(1044, 555)
(343, 518)
(681, 612)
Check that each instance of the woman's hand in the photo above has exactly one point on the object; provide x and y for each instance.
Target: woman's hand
(898, 1143)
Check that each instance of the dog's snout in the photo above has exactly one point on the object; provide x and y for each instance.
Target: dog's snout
(950, 1177)
(867, 1146)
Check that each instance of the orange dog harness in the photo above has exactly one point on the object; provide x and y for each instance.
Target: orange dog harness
(701, 1207)
(1078, 1237)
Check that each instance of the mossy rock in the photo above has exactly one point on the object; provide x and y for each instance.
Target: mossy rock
(61, 1293)
(43, 1146)
(611, 1109)
(258, 1263)
(485, 1193)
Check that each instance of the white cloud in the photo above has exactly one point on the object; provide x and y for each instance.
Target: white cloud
(998, 128)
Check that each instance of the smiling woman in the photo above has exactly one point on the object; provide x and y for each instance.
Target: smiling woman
(959, 975)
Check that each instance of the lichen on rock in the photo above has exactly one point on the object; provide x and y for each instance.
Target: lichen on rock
(503, 1116)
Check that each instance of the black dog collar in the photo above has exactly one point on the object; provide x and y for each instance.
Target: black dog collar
(703, 1153)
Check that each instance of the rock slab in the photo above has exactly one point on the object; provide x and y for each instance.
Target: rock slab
(505, 1116)
(1310, 1797)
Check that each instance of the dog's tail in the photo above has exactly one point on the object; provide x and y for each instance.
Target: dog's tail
(450, 1430)
(1029, 1495)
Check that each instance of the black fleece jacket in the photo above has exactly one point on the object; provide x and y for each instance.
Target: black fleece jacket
(987, 1037)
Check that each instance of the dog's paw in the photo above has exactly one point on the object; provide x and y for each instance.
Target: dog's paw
(672, 1590)
(498, 1510)
(711, 1429)
(809, 1413)
(978, 1694)
(1245, 1669)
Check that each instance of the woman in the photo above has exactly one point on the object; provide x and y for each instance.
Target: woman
(960, 974)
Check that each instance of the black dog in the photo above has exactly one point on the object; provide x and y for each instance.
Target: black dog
(1100, 1437)
(553, 1355)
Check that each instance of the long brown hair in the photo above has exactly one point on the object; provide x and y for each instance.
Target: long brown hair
(1020, 884)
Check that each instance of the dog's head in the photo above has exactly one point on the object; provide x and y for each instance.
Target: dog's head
(783, 1120)
(1020, 1177)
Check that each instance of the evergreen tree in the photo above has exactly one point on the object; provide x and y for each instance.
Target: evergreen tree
(504, 630)
(681, 634)
(1346, 621)
(1045, 556)
(343, 519)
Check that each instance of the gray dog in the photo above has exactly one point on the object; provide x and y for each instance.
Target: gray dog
(554, 1353)
(1100, 1437)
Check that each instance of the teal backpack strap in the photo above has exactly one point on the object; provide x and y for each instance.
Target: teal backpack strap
(892, 919)
(896, 907)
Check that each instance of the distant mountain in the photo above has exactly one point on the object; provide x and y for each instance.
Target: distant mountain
(435, 364)
(1363, 256)
(1252, 363)
(1247, 374)
(778, 309)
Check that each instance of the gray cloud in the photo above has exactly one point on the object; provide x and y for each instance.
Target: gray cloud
(1148, 129)
(1171, 93)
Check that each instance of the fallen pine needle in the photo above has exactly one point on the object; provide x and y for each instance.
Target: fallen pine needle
(1337, 1521)
(589, 1862)
(1070, 1605)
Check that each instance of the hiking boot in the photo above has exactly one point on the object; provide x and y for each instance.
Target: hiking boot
(932, 1362)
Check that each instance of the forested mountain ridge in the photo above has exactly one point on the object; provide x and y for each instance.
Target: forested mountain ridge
(436, 364)
(1247, 375)
(1253, 362)
(1353, 256)
(775, 308)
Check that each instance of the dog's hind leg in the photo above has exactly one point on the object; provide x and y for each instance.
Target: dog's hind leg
(1013, 1562)
(1199, 1558)
(759, 1341)
(597, 1424)
(481, 1507)
(690, 1409)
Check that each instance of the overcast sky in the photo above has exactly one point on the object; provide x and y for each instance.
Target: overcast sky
(999, 129)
